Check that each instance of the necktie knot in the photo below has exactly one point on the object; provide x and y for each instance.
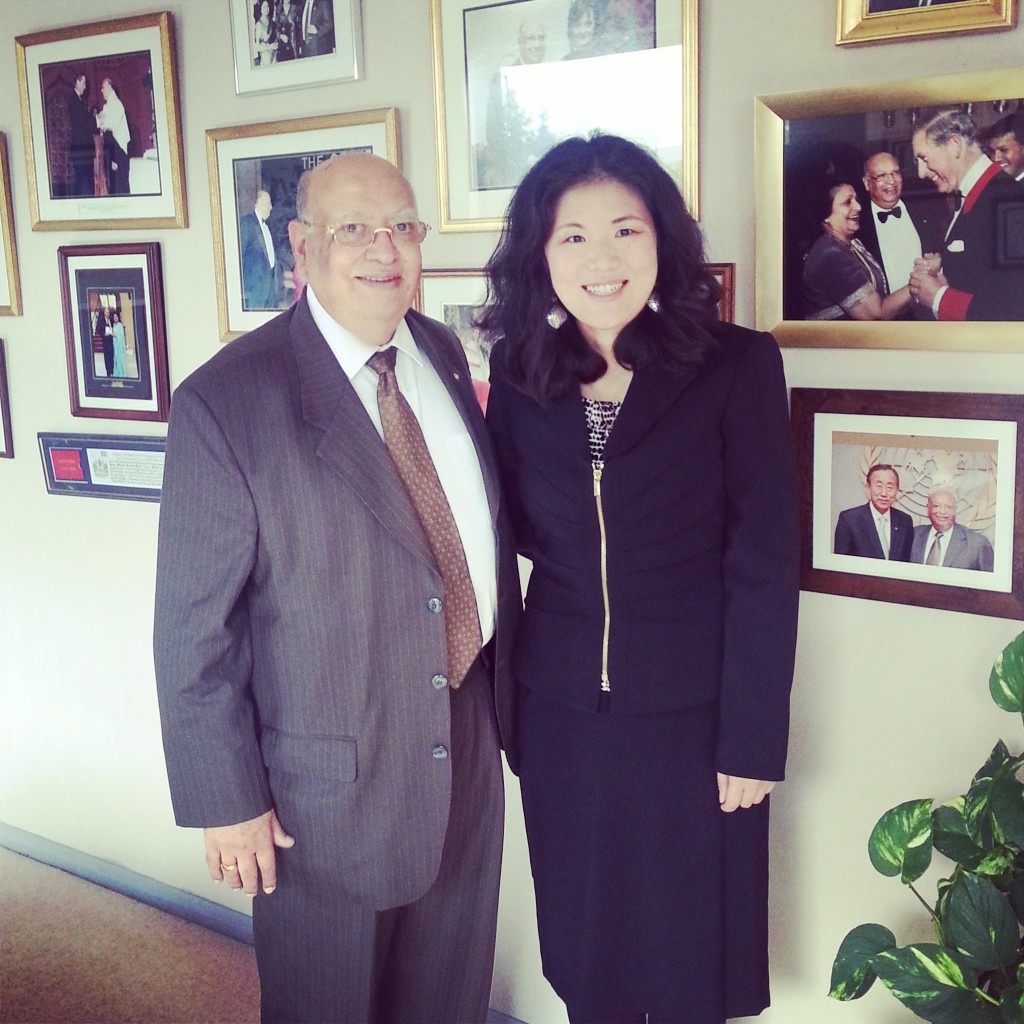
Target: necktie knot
(383, 362)
(884, 215)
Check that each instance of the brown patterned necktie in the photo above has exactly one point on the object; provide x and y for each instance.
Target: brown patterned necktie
(411, 457)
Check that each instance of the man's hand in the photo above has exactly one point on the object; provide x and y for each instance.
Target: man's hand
(244, 852)
(926, 279)
(734, 791)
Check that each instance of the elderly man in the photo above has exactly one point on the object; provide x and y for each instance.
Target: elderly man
(113, 122)
(946, 542)
(976, 275)
(876, 529)
(1006, 141)
(336, 595)
(894, 230)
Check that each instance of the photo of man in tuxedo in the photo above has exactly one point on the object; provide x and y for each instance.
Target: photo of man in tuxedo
(895, 230)
(876, 529)
(259, 259)
(969, 278)
(947, 543)
(82, 142)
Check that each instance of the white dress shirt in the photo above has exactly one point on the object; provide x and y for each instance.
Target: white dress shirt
(898, 243)
(268, 242)
(448, 441)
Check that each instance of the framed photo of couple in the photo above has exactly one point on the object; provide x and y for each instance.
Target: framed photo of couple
(99, 108)
(254, 171)
(941, 470)
(511, 79)
(805, 140)
(290, 44)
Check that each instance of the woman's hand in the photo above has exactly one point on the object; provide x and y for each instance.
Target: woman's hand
(734, 791)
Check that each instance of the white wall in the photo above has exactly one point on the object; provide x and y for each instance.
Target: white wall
(890, 702)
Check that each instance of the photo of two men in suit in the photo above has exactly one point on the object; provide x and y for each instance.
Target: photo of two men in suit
(877, 529)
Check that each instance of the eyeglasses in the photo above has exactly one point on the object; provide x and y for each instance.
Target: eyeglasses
(360, 236)
(886, 176)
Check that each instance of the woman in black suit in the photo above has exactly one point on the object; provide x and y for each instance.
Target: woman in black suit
(645, 452)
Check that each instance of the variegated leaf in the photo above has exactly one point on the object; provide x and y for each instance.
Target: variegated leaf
(1011, 1005)
(901, 841)
(1006, 682)
(952, 837)
(980, 923)
(852, 975)
(936, 983)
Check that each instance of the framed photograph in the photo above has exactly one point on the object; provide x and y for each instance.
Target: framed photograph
(513, 78)
(99, 108)
(288, 44)
(455, 298)
(114, 331)
(863, 137)
(10, 284)
(876, 21)
(6, 436)
(725, 275)
(912, 497)
(254, 171)
(103, 465)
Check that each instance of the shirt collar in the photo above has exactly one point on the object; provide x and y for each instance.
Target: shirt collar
(973, 175)
(350, 350)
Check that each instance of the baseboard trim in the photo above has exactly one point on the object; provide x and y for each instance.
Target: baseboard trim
(168, 898)
(186, 905)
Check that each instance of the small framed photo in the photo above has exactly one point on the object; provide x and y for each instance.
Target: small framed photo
(833, 169)
(6, 436)
(876, 21)
(288, 44)
(254, 172)
(512, 79)
(114, 331)
(912, 497)
(99, 108)
(456, 298)
(103, 465)
(725, 275)
(10, 283)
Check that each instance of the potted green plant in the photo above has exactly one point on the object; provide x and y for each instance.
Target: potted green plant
(974, 972)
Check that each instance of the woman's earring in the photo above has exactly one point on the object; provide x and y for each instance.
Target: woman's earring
(556, 316)
(654, 303)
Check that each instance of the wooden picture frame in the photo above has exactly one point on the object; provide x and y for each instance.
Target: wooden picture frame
(504, 93)
(972, 444)
(798, 135)
(294, 54)
(6, 434)
(10, 281)
(103, 157)
(115, 339)
(877, 21)
(725, 275)
(247, 159)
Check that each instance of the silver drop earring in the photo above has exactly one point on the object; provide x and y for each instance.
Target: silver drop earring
(654, 303)
(556, 316)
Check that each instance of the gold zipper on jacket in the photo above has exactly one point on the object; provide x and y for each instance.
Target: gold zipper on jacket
(598, 467)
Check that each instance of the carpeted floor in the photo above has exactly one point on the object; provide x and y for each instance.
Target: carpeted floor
(72, 952)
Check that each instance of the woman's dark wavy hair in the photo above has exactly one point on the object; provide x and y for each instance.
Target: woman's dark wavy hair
(545, 363)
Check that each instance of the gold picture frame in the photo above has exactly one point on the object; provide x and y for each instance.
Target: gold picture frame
(878, 21)
(773, 122)
(10, 283)
(481, 88)
(71, 188)
(249, 158)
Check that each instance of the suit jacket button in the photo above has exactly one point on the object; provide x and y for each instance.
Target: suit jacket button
(434, 604)
(439, 682)
(440, 752)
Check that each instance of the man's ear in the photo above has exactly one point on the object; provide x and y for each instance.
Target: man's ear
(298, 237)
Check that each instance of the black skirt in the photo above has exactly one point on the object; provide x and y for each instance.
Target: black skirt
(650, 899)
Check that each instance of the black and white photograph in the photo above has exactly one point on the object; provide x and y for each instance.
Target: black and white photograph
(287, 44)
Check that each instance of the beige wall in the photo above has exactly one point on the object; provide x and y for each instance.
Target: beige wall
(890, 701)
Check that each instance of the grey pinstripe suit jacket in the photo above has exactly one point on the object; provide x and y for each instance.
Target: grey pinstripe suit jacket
(294, 644)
